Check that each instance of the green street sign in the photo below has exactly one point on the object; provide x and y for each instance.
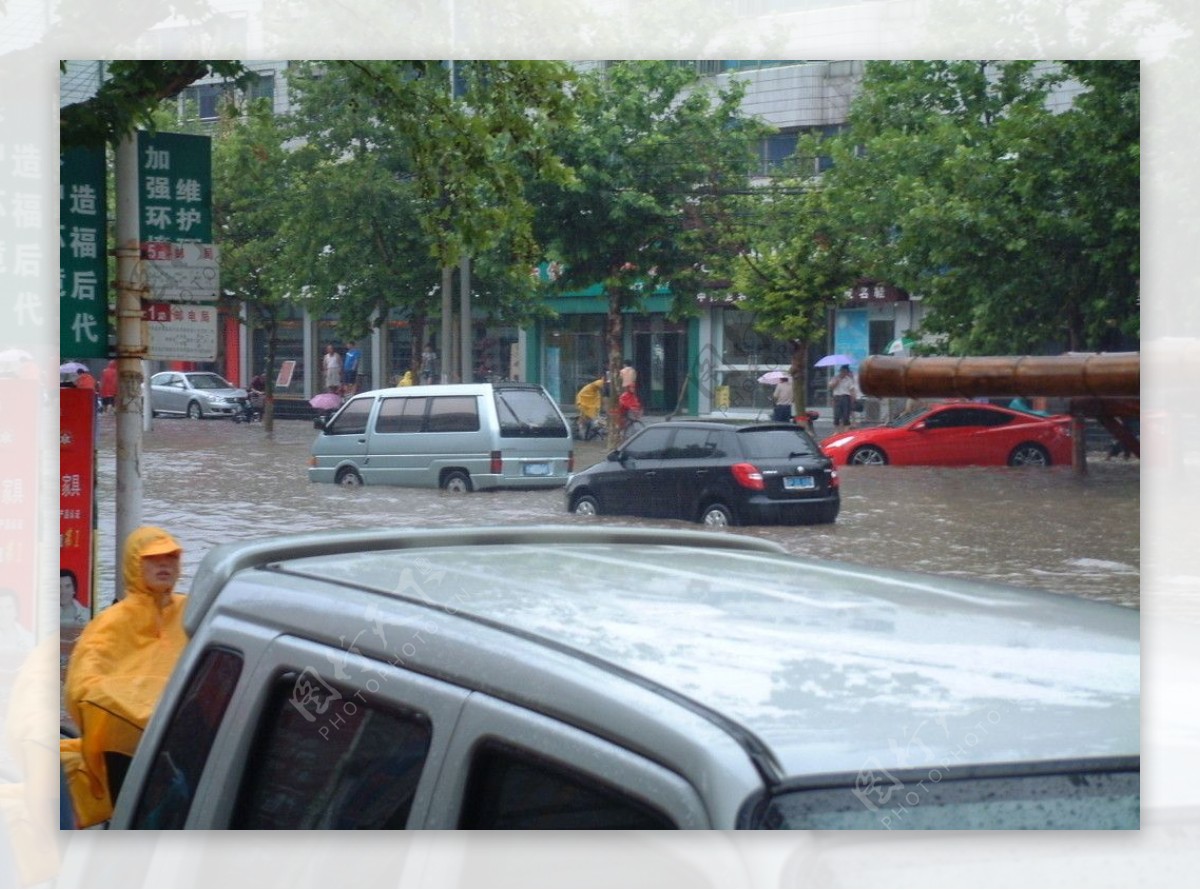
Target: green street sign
(82, 257)
(174, 188)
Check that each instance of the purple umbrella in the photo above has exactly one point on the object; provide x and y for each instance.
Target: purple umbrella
(325, 401)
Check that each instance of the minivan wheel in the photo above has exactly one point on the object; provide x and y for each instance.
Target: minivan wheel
(349, 478)
(716, 516)
(586, 505)
(456, 482)
(195, 412)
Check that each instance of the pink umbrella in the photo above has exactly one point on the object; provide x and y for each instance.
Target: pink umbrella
(773, 377)
(325, 401)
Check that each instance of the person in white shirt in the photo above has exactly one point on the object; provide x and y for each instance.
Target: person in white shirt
(844, 391)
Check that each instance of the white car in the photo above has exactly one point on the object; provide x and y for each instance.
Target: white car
(195, 394)
(584, 677)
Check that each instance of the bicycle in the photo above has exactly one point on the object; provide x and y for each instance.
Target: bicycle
(629, 424)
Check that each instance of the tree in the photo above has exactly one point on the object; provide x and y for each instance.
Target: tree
(1016, 224)
(402, 179)
(795, 264)
(654, 155)
(130, 96)
(252, 197)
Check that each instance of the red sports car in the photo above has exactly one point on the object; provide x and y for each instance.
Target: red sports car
(958, 434)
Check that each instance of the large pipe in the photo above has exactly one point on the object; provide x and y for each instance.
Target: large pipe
(1097, 375)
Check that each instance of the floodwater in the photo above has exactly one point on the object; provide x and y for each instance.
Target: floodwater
(213, 481)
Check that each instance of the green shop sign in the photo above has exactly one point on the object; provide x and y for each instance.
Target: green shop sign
(174, 188)
(82, 257)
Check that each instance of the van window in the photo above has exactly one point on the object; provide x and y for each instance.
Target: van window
(529, 414)
(352, 419)
(453, 414)
(404, 415)
(167, 794)
(354, 762)
(507, 788)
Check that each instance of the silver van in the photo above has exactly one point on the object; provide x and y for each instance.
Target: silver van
(458, 437)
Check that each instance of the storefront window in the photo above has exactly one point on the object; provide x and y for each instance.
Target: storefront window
(290, 347)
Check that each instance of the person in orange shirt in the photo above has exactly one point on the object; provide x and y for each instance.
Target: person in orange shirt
(108, 387)
(118, 670)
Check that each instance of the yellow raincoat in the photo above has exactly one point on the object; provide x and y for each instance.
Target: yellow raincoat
(117, 673)
(587, 400)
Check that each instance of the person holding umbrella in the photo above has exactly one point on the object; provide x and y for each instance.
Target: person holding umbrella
(782, 397)
(844, 391)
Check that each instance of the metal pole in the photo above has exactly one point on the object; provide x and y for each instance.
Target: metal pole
(131, 350)
(464, 311)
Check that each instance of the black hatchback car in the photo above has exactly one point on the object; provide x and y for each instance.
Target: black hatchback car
(712, 473)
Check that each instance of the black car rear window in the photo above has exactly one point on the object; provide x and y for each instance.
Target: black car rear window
(779, 442)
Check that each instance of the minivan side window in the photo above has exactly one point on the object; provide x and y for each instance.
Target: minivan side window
(349, 761)
(514, 789)
(167, 793)
(528, 414)
(403, 415)
(352, 420)
(453, 414)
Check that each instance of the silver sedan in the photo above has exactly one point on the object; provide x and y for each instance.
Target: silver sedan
(194, 394)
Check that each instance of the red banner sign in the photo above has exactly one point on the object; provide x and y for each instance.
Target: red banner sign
(77, 480)
(20, 402)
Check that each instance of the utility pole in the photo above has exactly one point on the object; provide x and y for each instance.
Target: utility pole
(131, 350)
(447, 314)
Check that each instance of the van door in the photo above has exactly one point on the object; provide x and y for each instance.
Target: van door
(398, 455)
(342, 445)
(509, 767)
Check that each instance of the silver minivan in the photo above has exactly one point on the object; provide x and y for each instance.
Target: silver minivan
(458, 437)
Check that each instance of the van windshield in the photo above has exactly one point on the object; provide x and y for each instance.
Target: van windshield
(528, 414)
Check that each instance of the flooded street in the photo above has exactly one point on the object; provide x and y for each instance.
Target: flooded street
(209, 482)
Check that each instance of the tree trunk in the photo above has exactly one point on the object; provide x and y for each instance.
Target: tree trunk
(798, 372)
(268, 418)
(613, 342)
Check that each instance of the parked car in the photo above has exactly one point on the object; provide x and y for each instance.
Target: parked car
(958, 434)
(457, 437)
(600, 677)
(195, 394)
(713, 473)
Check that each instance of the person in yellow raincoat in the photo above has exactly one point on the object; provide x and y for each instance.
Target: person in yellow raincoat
(406, 379)
(118, 670)
(588, 401)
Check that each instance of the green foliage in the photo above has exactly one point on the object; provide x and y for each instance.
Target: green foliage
(129, 98)
(395, 179)
(656, 156)
(1016, 224)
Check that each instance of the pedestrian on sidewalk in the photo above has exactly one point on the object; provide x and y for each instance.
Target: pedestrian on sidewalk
(844, 391)
(782, 397)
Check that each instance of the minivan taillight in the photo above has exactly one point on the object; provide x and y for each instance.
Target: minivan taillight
(497, 463)
(570, 461)
(748, 476)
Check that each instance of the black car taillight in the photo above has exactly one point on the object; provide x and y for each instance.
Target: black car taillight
(748, 476)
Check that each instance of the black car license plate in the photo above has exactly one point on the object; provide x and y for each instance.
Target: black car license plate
(799, 483)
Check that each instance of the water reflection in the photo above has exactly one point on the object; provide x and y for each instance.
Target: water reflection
(209, 482)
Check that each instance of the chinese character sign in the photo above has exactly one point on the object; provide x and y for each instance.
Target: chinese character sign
(77, 418)
(174, 188)
(82, 275)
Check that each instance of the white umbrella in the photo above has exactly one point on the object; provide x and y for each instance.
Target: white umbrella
(836, 359)
(773, 377)
(72, 368)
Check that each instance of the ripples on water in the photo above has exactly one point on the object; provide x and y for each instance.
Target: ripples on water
(210, 482)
